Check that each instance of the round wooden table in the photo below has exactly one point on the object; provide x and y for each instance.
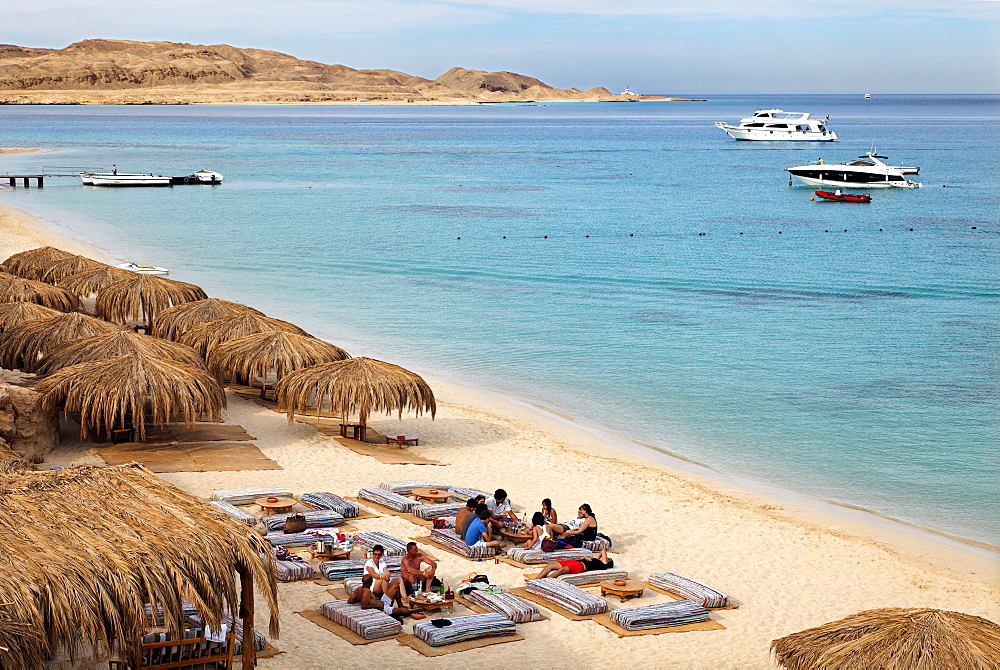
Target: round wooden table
(279, 506)
(336, 555)
(631, 588)
(434, 495)
(430, 606)
(515, 536)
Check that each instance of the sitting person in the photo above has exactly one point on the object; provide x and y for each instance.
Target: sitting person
(574, 567)
(480, 533)
(464, 513)
(411, 572)
(548, 512)
(378, 570)
(470, 518)
(500, 509)
(575, 532)
(369, 601)
(538, 532)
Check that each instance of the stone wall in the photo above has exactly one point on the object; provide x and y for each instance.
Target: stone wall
(26, 428)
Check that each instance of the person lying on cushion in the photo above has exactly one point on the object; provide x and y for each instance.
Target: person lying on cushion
(556, 568)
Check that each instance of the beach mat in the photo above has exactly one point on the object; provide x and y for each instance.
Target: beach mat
(386, 456)
(340, 631)
(605, 620)
(191, 457)
(199, 432)
(524, 566)
(538, 600)
(731, 606)
(414, 642)
(269, 651)
(413, 518)
(479, 609)
(363, 513)
(338, 593)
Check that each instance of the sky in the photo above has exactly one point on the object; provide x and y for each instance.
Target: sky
(674, 47)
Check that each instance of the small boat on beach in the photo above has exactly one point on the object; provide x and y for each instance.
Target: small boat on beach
(145, 269)
(844, 197)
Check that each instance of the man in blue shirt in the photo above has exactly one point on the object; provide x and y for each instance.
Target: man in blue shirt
(479, 533)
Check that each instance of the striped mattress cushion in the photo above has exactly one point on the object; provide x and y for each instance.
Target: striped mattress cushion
(464, 628)
(690, 589)
(248, 496)
(513, 607)
(393, 545)
(388, 499)
(235, 512)
(292, 571)
(462, 494)
(369, 624)
(324, 500)
(596, 545)
(308, 537)
(534, 556)
(437, 511)
(663, 615)
(592, 577)
(449, 539)
(319, 518)
(567, 596)
(405, 486)
(236, 625)
(339, 570)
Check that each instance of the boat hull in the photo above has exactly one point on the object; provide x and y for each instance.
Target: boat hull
(747, 135)
(843, 197)
(120, 181)
(813, 181)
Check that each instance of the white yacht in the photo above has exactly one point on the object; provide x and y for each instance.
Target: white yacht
(775, 125)
(145, 269)
(208, 177)
(128, 180)
(868, 171)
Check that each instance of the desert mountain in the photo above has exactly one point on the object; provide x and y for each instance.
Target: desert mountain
(120, 71)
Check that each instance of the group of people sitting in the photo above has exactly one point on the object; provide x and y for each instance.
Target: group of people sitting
(381, 590)
(482, 516)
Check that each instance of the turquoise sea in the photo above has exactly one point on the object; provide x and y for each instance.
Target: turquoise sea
(553, 252)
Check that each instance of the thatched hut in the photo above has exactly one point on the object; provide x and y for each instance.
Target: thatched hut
(108, 393)
(22, 346)
(15, 313)
(119, 343)
(91, 282)
(142, 297)
(83, 550)
(19, 289)
(70, 266)
(209, 335)
(32, 263)
(893, 638)
(277, 352)
(174, 321)
(356, 385)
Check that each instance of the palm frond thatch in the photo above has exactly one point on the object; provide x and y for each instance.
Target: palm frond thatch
(119, 343)
(83, 549)
(15, 313)
(22, 346)
(361, 385)
(70, 266)
(32, 263)
(109, 392)
(143, 297)
(279, 352)
(91, 282)
(894, 638)
(209, 335)
(11, 462)
(19, 289)
(174, 321)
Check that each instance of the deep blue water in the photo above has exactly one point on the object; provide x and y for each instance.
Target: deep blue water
(858, 365)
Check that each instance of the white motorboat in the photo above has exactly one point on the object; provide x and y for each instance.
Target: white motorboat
(145, 269)
(128, 180)
(208, 177)
(869, 171)
(88, 177)
(775, 125)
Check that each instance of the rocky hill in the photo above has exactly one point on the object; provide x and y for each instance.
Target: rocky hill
(125, 72)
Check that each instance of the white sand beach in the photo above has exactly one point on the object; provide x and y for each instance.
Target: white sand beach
(789, 566)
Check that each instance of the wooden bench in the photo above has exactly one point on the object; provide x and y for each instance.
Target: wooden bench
(402, 439)
(193, 653)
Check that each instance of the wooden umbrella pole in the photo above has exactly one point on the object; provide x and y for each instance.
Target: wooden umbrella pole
(246, 614)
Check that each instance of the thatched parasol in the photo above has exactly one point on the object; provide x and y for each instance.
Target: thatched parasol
(118, 343)
(70, 266)
(279, 352)
(21, 346)
(15, 313)
(893, 638)
(90, 282)
(19, 289)
(209, 335)
(33, 262)
(83, 549)
(174, 321)
(143, 296)
(109, 392)
(361, 385)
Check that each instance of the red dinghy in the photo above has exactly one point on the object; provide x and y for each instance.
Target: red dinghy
(844, 197)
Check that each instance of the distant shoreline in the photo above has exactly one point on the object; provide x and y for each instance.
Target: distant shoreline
(357, 103)
(18, 150)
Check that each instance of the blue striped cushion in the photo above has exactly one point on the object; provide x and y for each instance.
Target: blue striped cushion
(464, 628)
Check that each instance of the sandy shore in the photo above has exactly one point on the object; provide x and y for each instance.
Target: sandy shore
(18, 150)
(789, 566)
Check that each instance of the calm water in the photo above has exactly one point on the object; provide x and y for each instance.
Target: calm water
(859, 366)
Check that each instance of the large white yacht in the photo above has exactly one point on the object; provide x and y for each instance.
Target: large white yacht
(775, 125)
(868, 171)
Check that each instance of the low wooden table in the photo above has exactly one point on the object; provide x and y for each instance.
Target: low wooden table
(515, 536)
(431, 606)
(357, 431)
(279, 506)
(631, 588)
(434, 495)
(338, 555)
(402, 439)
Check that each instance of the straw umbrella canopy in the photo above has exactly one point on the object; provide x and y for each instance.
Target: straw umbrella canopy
(279, 351)
(209, 335)
(143, 297)
(119, 343)
(174, 321)
(90, 282)
(19, 289)
(21, 346)
(33, 262)
(70, 266)
(362, 385)
(894, 638)
(109, 392)
(16, 313)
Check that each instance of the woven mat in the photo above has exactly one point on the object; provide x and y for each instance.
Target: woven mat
(519, 564)
(479, 609)
(199, 432)
(338, 630)
(269, 651)
(389, 456)
(338, 593)
(413, 518)
(730, 606)
(605, 620)
(414, 642)
(538, 600)
(192, 457)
